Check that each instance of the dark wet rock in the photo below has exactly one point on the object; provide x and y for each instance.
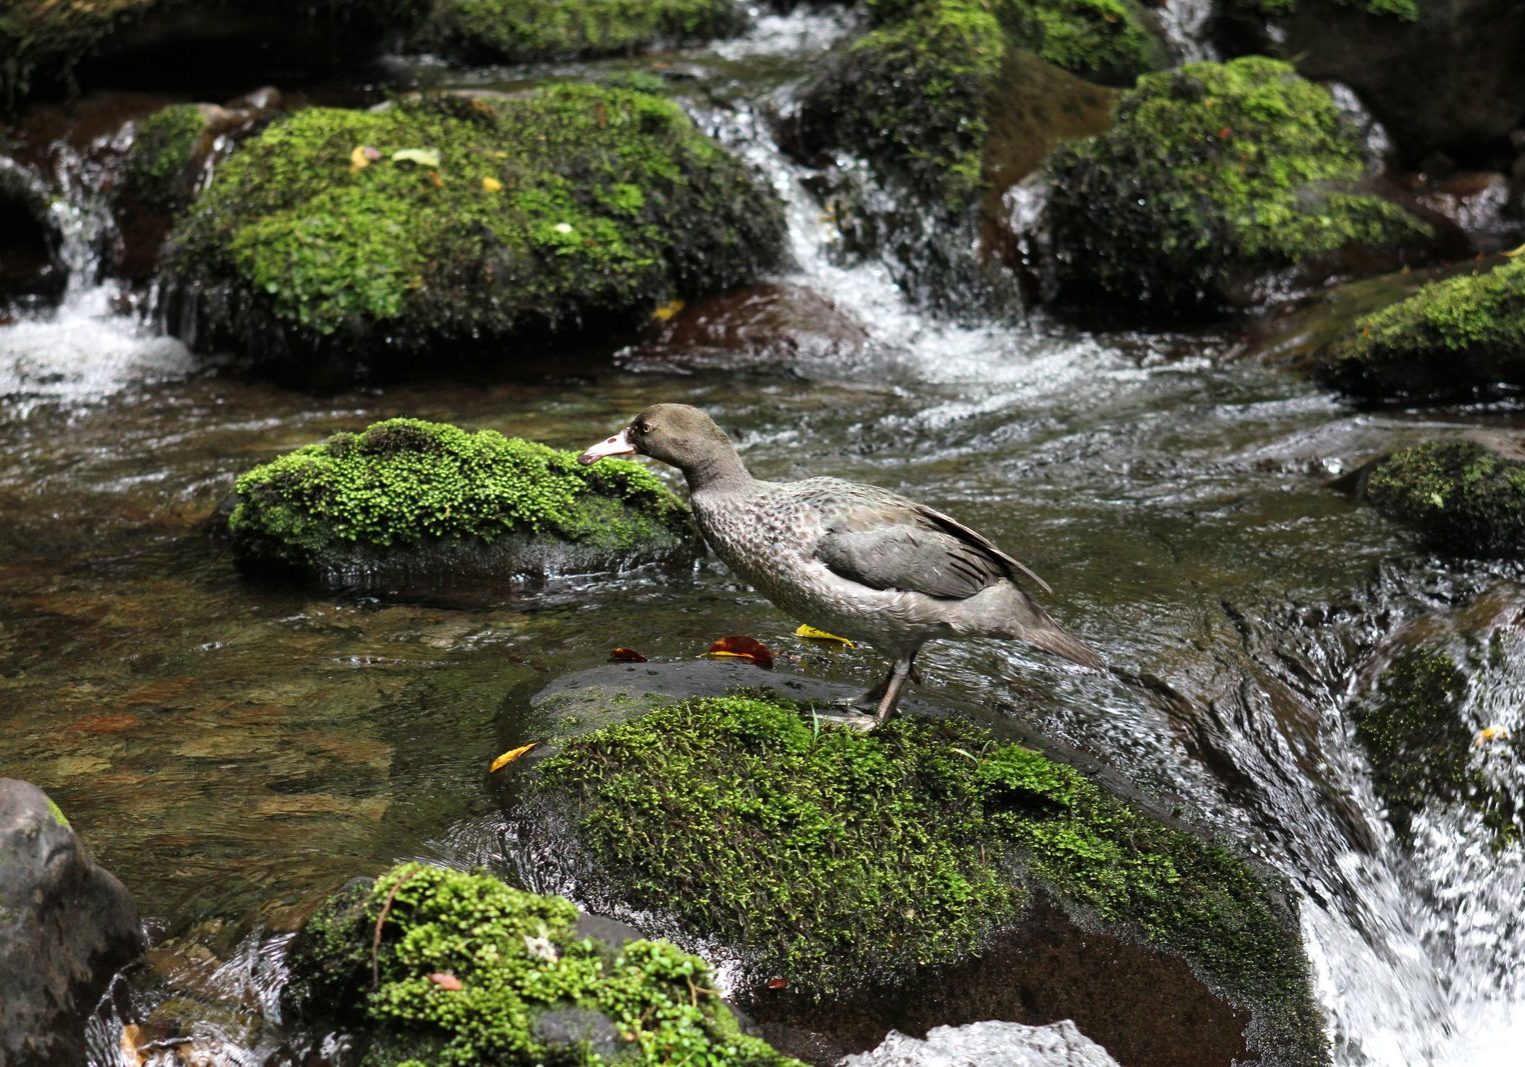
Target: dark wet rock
(53, 47)
(1465, 495)
(1441, 75)
(1218, 184)
(1457, 339)
(421, 505)
(527, 31)
(567, 209)
(974, 1044)
(469, 970)
(66, 926)
(30, 266)
(771, 327)
(927, 873)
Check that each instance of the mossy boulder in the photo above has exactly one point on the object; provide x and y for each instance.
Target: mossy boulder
(1418, 731)
(1441, 75)
(519, 31)
(414, 502)
(1463, 496)
(446, 227)
(1457, 339)
(161, 164)
(1216, 178)
(852, 864)
(1110, 41)
(445, 967)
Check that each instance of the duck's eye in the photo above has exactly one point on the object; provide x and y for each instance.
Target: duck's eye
(642, 428)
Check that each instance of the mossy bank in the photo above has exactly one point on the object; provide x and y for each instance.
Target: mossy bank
(520, 31)
(456, 228)
(1217, 179)
(421, 503)
(843, 861)
(1463, 496)
(1458, 339)
(443, 967)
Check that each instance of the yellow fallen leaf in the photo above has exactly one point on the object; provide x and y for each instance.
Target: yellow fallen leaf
(361, 158)
(1516, 252)
(424, 157)
(822, 635)
(667, 311)
(509, 756)
(492, 185)
(1489, 734)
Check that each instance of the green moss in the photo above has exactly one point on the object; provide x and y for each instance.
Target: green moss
(1416, 735)
(158, 167)
(553, 211)
(1405, 10)
(527, 30)
(842, 859)
(516, 956)
(1461, 495)
(1101, 39)
(57, 812)
(1455, 339)
(1213, 173)
(406, 481)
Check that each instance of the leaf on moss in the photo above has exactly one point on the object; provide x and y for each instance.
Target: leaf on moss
(492, 185)
(739, 646)
(446, 980)
(821, 635)
(509, 756)
(424, 157)
(363, 156)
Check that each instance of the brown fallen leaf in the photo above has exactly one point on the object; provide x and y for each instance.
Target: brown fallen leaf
(445, 980)
(509, 756)
(778, 983)
(625, 655)
(740, 646)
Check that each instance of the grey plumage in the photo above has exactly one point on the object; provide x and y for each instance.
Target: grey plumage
(849, 558)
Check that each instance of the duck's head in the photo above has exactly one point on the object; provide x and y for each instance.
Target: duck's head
(673, 433)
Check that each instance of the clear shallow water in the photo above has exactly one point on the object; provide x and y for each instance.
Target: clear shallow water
(234, 749)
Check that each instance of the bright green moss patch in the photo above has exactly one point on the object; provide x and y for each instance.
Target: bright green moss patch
(159, 162)
(1459, 338)
(840, 859)
(518, 960)
(1215, 174)
(527, 30)
(1461, 495)
(406, 482)
(559, 210)
(1101, 39)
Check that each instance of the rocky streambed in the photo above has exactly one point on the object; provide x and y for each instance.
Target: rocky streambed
(1224, 349)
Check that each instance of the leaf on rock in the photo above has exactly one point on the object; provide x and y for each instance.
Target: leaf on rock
(1516, 252)
(739, 646)
(821, 635)
(778, 983)
(424, 157)
(625, 655)
(509, 756)
(1489, 734)
(667, 311)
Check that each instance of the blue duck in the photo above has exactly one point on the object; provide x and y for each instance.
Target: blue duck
(853, 559)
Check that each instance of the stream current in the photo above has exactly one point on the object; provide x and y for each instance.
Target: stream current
(233, 748)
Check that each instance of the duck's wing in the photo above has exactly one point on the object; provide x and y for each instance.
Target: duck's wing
(895, 543)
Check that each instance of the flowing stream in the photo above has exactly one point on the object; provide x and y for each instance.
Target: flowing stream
(233, 748)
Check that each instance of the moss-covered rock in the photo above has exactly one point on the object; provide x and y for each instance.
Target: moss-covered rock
(160, 167)
(413, 501)
(1105, 40)
(1216, 176)
(1461, 338)
(843, 860)
(452, 224)
(1422, 745)
(470, 971)
(517, 31)
(1464, 497)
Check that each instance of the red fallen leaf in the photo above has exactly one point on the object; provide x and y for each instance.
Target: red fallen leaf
(1224, 133)
(625, 655)
(778, 983)
(446, 981)
(739, 646)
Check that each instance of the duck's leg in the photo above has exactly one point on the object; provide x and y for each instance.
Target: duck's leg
(899, 674)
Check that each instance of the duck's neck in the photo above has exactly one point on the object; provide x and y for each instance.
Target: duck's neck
(720, 470)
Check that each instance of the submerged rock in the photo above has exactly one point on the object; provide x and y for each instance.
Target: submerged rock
(522, 31)
(424, 504)
(66, 926)
(1216, 177)
(927, 867)
(1464, 496)
(1458, 339)
(1441, 75)
(976, 1044)
(456, 229)
(465, 969)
